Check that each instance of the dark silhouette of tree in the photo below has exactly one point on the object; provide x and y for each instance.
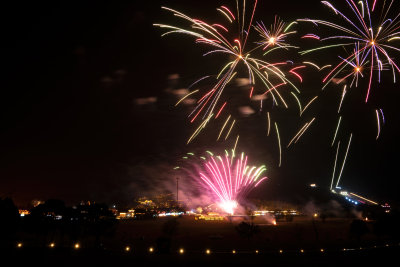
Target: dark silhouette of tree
(324, 215)
(100, 223)
(53, 221)
(315, 229)
(289, 218)
(45, 220)
(247, 230)
(169, 229)
(48, 210)
(358, 228)
(387, 225)
(9, 222)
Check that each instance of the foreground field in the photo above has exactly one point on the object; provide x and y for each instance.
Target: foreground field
(227, 235)
(185, 241)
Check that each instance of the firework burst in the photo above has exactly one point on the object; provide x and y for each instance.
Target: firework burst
(371, 33)
(276, 36)
(265, 78)
(228, 178)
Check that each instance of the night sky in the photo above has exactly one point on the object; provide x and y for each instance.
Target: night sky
(74, 126)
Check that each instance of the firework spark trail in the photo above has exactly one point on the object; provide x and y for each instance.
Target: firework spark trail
(357, 64)
(344, 160)
(199, 129)
(316, 66)
(378, 124)
(383, 117)
(228, 182)
(298, 102)
(223, 127)
(230, 129)
(301, 132)
(187, 95)
(269, 124)
(298, 133)
(369, 33)
(337, 129)
(218, 38)
(308, 104)
(274, 37)
(279, 143)
(370, 39)
(334, 167)
(342, 98)
(219, 112)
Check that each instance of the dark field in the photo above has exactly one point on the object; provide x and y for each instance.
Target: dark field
(259, 246)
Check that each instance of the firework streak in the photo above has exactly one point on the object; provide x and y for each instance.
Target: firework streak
(230, 179)
(370, 42)
(230, 38)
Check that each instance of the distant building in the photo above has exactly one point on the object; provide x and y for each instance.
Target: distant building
(130, 214)
(23, 213)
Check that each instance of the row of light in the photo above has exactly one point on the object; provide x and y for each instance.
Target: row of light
(353, 201)
(51, 245)
(207, 251)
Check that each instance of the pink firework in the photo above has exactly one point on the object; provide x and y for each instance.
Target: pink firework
(230, 179)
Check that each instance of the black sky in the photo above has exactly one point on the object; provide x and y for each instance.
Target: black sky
(70, 128)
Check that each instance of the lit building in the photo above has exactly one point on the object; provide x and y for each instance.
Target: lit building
(386, 207)
(211, 216)
(23, 213)
(130, 214)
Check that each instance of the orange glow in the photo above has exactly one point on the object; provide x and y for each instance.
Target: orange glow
(272, 40)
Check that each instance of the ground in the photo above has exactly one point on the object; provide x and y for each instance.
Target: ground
(300, 242)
